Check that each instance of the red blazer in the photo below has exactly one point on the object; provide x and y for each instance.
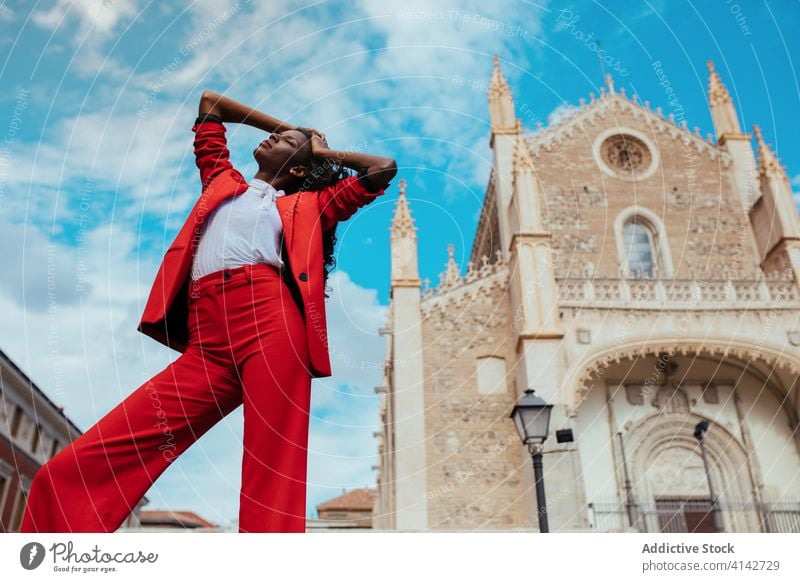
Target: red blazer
(304, 215)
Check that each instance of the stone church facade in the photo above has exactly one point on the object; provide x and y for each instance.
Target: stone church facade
(640, 278)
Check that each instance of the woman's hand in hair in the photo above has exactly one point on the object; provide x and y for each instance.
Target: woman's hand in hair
(319, 145)
(305, 129)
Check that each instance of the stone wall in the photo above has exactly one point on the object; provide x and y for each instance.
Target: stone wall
(474, 455)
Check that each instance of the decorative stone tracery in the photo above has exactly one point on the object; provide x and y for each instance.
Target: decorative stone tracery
(598, 363)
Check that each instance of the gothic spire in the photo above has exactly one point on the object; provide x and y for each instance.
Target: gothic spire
(403, 242)
(501, 102)
(726, 121)
(768, 163)
(609, 82)
(452, 274)
(402, 223)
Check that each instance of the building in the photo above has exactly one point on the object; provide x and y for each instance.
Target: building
(32, 430)
(352, 510)
(640, 278)
(164, 520)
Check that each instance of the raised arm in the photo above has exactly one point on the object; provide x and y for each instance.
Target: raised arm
(341, 200)
(210, 145)
(379, 170)
(230, 111)
(211, 152)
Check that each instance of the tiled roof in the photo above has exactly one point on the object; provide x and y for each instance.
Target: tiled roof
(186, 519)
(355, 499)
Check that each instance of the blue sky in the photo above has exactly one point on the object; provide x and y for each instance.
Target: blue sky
(97, 172)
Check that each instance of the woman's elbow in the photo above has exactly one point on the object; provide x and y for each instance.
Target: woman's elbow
(388, 169)
(209, 101)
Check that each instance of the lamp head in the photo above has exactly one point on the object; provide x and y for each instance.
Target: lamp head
(531, 416)
(700, 429)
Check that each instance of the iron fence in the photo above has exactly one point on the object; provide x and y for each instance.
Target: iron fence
(680, 515)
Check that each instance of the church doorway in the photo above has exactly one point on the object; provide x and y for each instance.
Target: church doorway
(684, 515)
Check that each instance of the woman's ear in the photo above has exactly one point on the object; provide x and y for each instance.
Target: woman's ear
(298, 171)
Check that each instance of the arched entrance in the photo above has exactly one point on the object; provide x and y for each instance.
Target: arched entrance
(670, 479)
(635, 410)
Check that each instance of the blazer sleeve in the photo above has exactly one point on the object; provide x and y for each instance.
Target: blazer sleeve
(210, 147)
(339, 201)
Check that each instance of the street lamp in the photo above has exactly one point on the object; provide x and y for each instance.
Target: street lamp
(531, 416)
(699, 433)
(630, 500)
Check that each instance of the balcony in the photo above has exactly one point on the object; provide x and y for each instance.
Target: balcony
(645, 293)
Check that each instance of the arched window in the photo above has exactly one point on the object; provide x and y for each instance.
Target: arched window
(642, 244)
(639, 249)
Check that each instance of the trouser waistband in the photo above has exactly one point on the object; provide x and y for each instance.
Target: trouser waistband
(232, 275)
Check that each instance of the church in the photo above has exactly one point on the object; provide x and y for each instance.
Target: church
(641, 279)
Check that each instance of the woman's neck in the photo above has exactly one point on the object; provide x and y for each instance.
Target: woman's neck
(278, 182)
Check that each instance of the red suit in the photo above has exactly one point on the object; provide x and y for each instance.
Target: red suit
(304, 215)
(252, 335)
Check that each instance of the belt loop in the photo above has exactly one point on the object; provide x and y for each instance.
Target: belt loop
(248, 269)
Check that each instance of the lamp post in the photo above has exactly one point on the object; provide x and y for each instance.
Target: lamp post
(699, 433)
(531, 416)
(630, 501)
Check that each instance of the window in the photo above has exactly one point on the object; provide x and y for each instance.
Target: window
(642, 244)
(5, 484)
(17, 418)
(36, 435)
(22, 502)
(5, 413)
(639, 250)
(625, 153)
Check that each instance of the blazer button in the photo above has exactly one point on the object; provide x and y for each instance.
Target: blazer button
(303, 277)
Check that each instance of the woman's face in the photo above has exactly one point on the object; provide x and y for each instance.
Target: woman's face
(282, 150)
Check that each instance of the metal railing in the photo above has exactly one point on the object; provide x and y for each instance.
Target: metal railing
(673, 515)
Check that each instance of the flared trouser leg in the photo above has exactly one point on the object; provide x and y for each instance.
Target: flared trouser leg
(94, 483)
(277, 394)
(247, 346)
(272, 358)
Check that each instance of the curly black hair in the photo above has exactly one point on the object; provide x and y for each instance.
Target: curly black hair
(322, 172)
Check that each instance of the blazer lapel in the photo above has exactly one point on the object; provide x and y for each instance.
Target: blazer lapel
(287, 208)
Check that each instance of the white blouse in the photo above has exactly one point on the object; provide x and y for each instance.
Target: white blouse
(244, 229)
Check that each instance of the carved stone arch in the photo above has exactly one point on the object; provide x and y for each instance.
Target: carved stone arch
(665, 460)
(659, 238)
(594, 365)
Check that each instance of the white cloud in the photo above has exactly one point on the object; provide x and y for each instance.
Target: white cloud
(96, 21)
(356, 349)
(448, 58)
(6, 14)
(121, 158)
(100, 16)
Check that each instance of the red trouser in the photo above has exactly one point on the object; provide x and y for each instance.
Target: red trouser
(247, 346)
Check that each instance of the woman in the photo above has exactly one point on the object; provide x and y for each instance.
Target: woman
(240, 293)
